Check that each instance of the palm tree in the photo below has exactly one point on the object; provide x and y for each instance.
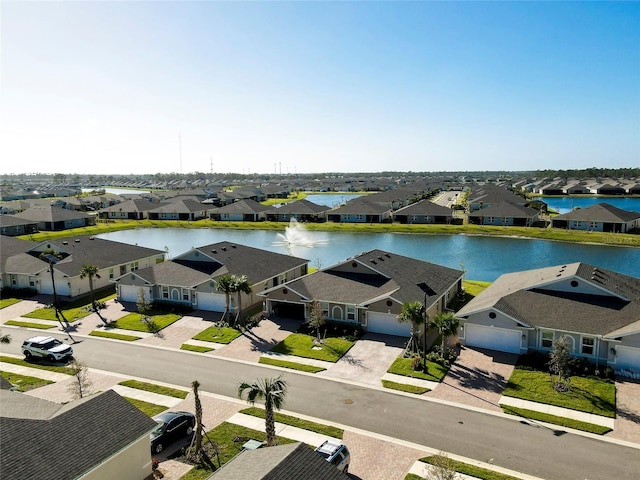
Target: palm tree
(198, 432)
(240, 285)
(272, 391)
(91, 271)
(225, 284)
(412, 312)
(50, 256)
(447, 324)
(5, 339)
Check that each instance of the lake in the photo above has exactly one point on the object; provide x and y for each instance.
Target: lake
(567, 204)
(484, 258)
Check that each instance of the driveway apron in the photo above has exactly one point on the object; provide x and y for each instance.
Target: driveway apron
(627, 425)
(253, 343)
(477, 378)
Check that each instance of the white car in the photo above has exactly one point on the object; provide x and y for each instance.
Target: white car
(337, 454)
(46, 347)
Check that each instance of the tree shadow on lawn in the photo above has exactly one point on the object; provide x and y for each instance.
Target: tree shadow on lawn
(259, 344)
(597, 402)
(477, 378)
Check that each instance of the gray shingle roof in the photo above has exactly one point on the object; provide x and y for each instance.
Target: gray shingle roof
(600, 212)
(243, 206)
(425, 207)
(300, 207)
(171, 273)
(49, 213)
(10, 246)
(72, 442)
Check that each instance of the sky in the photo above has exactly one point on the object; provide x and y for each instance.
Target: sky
(119, 87)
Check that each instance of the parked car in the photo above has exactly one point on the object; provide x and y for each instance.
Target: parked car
(46, 347)
(172, 426)
(336, 454)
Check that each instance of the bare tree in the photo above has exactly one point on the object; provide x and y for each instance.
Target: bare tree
(81, 385)
(559, 360)
(317, 317)
(441, 467)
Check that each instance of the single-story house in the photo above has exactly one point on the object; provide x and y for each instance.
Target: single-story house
(241, 211)
(22, 267)
(301, 210)
(14, 226)
(292, 461)
(505, 214)
(424, 211)
(190, 278)
(110, 435)
(179, 209)
(600, 217)
(360, 210)
(49, 217)
(135, 209)
(368, 290)
(597, 309)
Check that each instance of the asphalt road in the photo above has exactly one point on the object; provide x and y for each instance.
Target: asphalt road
(521, 446)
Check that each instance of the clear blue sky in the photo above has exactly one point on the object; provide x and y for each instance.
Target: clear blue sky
(260, 87)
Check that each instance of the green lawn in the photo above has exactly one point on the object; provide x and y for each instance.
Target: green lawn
(402, 366)
(297, 422)
(589, 395)
(71, 311)
(555, 420)
(471, 470)
(41, 326)
(195, 348)
(24, 382)
(152, 387)
(223, 435)
(292, 365)
(6, 302)
(403, 387)
(149, 409)
(218, 335)
(301, 345)
(35, 364)
(115, 336)
(133, 321)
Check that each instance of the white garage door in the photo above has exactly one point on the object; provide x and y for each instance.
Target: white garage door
(386, 323)
(129, 293)
(211, 302)
(492, 338)
(627, 358)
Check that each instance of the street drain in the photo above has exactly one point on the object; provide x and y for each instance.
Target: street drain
(348, 401)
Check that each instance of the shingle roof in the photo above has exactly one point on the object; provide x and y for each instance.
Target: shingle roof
(300, 207)
(171, 273)
(294, 461)
(600, 212)
(243, 206)
(49, 213)
(10, 246)
(100, 427)
(505, 209)
(425, 207)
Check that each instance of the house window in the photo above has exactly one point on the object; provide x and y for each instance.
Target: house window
(414, 218)
(165, 292)
(134, 266)
(359, 217)
(111, 273)
(588, 345)
(594, 225)
(577, 223)
(185, 295)
(325, 309)
(489, 220)
(546, 339)
(32, 281)
(351, 312)
(14, 279)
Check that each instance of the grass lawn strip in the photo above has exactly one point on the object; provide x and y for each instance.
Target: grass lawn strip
(24, 383)
(301, 345)
(7, 302)
(71, 311)
(149, 409)
(472, 470)
(24, 363)
(195, 348)
(223, 435)
(402, 366)
(403, 387)
(115, 336)
(133, 321)
(292, 365)
(41, 326)
(297, 422)
(555, 420)
(215, 334)
(587, 394)
(152, 387)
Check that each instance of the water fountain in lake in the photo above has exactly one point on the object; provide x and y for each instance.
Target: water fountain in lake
(296, 234)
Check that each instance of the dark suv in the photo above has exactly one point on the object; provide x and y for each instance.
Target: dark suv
(336, 454)
(46, 347)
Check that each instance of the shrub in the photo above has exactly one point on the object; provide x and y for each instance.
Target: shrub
(416, 364)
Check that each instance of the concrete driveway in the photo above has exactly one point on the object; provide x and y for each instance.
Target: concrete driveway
(477, 378)
(368, 360)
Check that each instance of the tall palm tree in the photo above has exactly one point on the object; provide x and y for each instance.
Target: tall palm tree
(50, 256)
(240, 285)
(198, 432)
(91, 271)
(273, 392)
(447, 324)
(225, 284)
(412, 312)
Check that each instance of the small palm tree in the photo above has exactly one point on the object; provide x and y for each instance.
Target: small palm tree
(273, 392)
(240, 285)
(447, 324)
(225, 284)
(91, 271)
(412, 312)
(5, 339)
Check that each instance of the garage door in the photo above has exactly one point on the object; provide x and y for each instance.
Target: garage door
(386, 323)
(492, 338)
(627, 358)
(211, 302)
(129, 293)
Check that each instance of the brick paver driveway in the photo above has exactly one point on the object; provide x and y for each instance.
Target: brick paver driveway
(477, 378)
(627, 426)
